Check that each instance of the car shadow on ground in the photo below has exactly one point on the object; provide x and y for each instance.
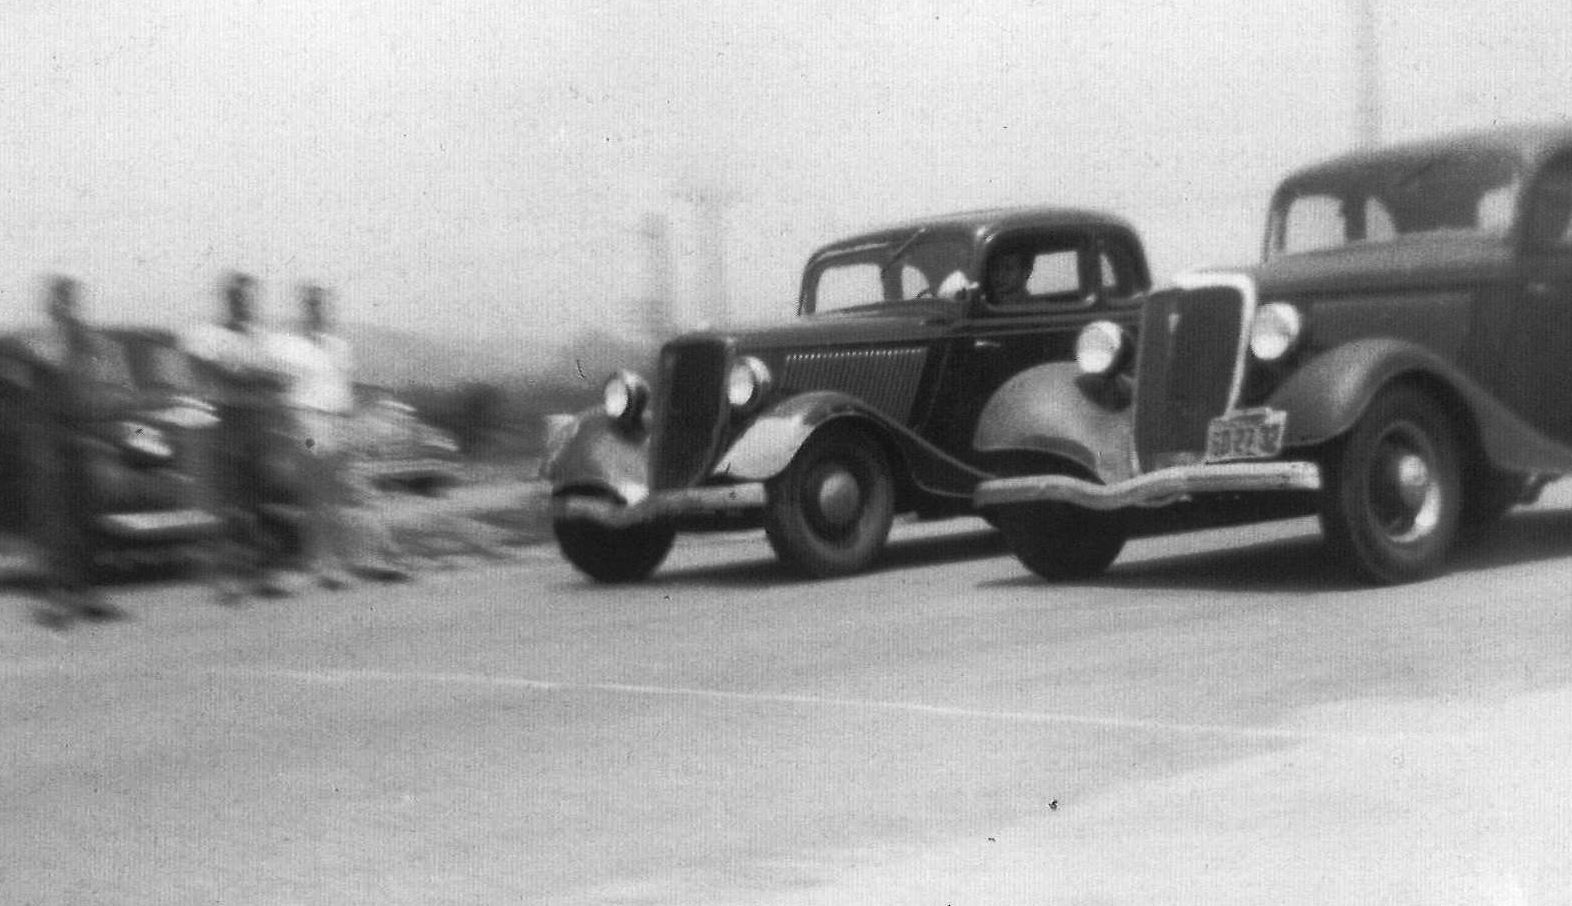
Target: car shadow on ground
(1301, 564)
(901, 553)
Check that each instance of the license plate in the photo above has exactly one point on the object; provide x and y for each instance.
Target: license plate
(1252, 434)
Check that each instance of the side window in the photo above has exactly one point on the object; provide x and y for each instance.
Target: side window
(1041, 272)
(844, 287)
(1550, 205)
(1056, 274)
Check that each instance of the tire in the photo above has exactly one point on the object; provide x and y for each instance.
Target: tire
(1058, 542)
(829, 513)
(1391, 499)
(613, 555)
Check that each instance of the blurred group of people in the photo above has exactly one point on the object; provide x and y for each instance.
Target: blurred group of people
(283, 403)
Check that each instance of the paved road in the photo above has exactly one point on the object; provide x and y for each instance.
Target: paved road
(1218, 720)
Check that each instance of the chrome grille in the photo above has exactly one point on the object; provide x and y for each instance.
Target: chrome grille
(1189, 348)
(690, 411)
(885, 379)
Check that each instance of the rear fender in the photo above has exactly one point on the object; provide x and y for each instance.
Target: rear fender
(770, 443)
(594, 453)
(1326, 396)
(1057, 410)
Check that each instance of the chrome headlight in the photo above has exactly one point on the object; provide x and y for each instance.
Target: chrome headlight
(747, 383)
(145, 440)
(1102, 348)
(1276, 331)
(624, 398)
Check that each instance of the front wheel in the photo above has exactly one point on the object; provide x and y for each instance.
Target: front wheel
(829, 513)
(1392, 492)
(1058, 542)
(614, 554)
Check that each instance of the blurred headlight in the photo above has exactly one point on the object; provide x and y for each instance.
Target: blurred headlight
(1276, 331)
(146, 440)
(747, 382)
(624, 397)
(1102, 348)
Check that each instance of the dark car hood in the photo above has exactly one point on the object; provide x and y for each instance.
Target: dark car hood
(1411, 262)
(908, 322)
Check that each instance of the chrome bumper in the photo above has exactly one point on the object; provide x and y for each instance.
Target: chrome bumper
(660, 505)
(159, 524)
(1154, 489)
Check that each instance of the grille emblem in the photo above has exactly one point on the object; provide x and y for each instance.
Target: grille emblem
(1173, 321)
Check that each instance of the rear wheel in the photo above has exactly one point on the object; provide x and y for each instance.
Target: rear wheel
(1058, 541)
(829, 513)
(614, 554)
(1392, 494)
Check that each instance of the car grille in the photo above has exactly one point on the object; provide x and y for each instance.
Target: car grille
(690, 411)
(1189, 348)
(885, 379)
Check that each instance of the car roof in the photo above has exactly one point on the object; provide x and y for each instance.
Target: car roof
(1527, 142)
(981, 223)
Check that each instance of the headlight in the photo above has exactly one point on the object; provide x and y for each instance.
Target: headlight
(625, 396)
(1276, 331)
(1102, 348)
(146, 440)
(747, 382)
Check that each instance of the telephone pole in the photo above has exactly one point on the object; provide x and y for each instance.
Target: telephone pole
(1368, 70)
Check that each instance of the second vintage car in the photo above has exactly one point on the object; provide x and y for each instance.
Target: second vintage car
(824, 429)
(1398, 363)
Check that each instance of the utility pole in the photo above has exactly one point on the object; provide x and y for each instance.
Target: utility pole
(710, 204)
(1368, 69)
(657, 304)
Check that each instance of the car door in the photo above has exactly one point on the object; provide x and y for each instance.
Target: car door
(1075, 276)
(1539, 350)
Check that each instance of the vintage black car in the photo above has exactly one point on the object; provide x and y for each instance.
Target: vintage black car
(862, 408)
(1399, 363)
(136, 420)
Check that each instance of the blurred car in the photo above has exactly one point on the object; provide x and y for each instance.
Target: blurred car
(136, 433)
(1397, 364)
(864, 407)
(393, 447)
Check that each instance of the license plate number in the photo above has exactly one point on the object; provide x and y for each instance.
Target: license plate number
(1253, 434)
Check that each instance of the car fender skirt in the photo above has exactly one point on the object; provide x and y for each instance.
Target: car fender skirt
(1325, 396)
(1154, 489)
(770, 443)
(1058, 411)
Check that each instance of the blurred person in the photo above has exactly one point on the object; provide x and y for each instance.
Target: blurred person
(62, 504)
(320, 396)
(236, 361)
(1008, 274)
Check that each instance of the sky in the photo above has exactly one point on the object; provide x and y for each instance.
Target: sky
(480, 169)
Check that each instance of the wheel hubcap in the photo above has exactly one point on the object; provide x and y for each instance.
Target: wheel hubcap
(1405, 496)
(839, 499)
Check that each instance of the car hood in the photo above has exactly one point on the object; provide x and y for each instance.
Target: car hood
(1409, 262)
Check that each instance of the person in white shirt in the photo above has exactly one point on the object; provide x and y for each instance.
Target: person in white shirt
(320, 398)
(243, 378)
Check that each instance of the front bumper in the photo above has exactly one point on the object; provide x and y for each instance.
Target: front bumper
(159, 525)
(660, 505)
(1154, 489)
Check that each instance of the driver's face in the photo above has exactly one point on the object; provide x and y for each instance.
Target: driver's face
(1007, 274)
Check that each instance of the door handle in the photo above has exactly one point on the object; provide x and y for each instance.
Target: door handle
(1537, 288)
(986, 345)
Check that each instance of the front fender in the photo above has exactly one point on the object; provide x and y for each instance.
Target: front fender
(770, 443)
(1059, 410)
(599, 455)
(1325, 397)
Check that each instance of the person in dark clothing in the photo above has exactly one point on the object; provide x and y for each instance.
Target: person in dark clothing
(61, 509)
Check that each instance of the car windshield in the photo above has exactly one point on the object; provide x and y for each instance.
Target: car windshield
(904, 269)
(1459, 192)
